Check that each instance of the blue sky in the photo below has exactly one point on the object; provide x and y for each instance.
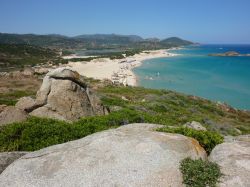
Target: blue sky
(205, 21)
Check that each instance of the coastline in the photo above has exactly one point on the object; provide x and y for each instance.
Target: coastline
(119, 71)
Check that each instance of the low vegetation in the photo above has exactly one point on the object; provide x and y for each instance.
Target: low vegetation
(37, 133)
(17, 87)
(11, 98)
(170, 108)
(199, 173)
(207, 139)
(129, 105)
(20, 55)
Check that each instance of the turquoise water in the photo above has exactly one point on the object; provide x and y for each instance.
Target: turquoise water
(225, 79)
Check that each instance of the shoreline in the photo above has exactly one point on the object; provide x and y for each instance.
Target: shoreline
(119, 71)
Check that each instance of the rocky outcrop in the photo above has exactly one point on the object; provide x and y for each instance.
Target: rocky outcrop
(26, 103)
(12, 114)
(64, 95)
(233, 157)
(6, 158)
(194, 125)
(132, 155)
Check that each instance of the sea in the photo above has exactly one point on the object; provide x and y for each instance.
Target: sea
(194, 72)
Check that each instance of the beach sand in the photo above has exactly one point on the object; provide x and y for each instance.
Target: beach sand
(117, 70)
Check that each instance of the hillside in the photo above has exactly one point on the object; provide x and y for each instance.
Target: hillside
(19, 55)
(96, 41)
(19, 50)
(110, 38)
(195, 127)
(52, 41)
(123, 105)
(175, 41)
(137, 104)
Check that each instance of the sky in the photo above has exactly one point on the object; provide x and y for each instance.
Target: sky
(203, 21)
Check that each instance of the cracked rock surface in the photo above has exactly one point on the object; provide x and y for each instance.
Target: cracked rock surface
(131, 155)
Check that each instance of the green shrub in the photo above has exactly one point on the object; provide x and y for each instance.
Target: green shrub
(37, 133)
(118, 118)
(199, 173)
(114, 101)
(207, 139)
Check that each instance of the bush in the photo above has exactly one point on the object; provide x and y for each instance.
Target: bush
(37, 133)
(113, 101)
(199, 173)
(207, 139)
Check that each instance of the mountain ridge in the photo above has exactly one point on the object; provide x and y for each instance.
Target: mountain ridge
(91, 41)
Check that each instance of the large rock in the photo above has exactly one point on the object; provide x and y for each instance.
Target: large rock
(234, 159)
(64, 95)
(6, 158)
(12, 114)
(132, 155)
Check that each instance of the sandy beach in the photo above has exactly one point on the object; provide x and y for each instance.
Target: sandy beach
(117, 70)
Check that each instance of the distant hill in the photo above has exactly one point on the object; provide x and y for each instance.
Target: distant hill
(110, 38)
(175, 41)
(95, 41)
(152, 39)
(52, 41)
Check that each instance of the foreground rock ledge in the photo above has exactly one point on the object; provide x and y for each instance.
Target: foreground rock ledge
(234, 159)
(132, 155)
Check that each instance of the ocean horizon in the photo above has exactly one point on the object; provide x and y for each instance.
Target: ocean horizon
(194, 72)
